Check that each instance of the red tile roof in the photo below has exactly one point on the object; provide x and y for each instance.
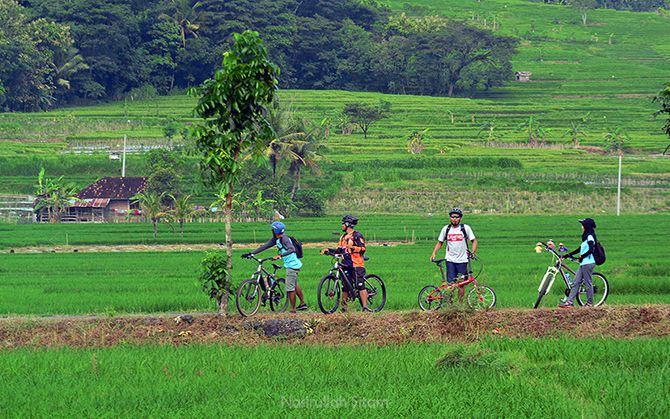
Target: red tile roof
(114, 188)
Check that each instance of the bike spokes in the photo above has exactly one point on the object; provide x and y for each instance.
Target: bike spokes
(430, 298)
(278, 296)
(329, 293)
(248, 298)
(376, 292)
(481, 297)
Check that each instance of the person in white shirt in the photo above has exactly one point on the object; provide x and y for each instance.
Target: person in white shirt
(457, 255)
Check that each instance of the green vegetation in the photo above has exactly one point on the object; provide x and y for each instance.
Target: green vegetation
(496, 377)
(77, 283)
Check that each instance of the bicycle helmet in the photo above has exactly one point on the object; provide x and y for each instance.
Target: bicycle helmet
(456, 211)
(349, 220)
(278, 227)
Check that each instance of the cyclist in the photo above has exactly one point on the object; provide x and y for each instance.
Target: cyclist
(291, 262)
(352, 246)
(456, 235)
(586, 264)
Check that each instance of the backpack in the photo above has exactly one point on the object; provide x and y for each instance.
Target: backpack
(298, 246)
(599, 253)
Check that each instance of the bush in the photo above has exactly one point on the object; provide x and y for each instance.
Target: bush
(214, 276)
(309, 203)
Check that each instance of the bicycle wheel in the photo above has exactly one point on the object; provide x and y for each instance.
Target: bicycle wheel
(481, 297)
(541, 294)
(430, 298)
(279, 296)
(248, 298)
(328, 294)
(601, 290)
(376, 292)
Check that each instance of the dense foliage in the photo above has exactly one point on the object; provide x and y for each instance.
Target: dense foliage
(87, 50)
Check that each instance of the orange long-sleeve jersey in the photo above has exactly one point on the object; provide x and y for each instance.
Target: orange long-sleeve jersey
(356, 240)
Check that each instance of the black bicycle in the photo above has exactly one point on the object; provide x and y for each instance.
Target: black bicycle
(261, 288)
(330, 288)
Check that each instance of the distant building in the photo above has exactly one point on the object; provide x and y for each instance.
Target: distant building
(105, 200)
(522, 75)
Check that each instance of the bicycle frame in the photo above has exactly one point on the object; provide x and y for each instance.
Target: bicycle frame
(263, 273)
(552, 271)
(446, 286)
(340, 275)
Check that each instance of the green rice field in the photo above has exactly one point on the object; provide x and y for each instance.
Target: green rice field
(145, 282)
(496, 377)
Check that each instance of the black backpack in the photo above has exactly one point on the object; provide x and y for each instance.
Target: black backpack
(298, 246)
(599, 253)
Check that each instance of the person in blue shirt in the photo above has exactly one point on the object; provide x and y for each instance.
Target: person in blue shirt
(586, 264)
(291, 263)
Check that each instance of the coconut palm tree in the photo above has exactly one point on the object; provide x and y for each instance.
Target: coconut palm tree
(185, 14)
(182, 208)
(152, 208)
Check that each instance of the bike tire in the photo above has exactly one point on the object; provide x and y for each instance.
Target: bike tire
(435, 300)
(248, 298)
(375, 286)
(481, 297)
(541, 294)
(601, 290)
(329, 294)
(279, 296)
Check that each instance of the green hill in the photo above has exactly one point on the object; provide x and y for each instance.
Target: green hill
(607, 72)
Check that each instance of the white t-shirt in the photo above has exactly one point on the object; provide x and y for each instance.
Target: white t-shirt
(456, 246)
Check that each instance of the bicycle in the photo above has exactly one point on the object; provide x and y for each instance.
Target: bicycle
(480, 296)
(330, 288)
(600, 285)
(263, 286)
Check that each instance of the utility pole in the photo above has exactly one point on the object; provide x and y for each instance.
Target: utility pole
(123, 165)
(618, 190)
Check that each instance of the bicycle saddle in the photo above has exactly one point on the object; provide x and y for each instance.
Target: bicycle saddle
(274, 265)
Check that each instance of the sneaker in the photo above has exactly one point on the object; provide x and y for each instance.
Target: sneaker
(566, 304)
(301, 307)
(367, 310)
(588, 305)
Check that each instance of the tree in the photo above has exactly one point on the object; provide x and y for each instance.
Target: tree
(583, 6)
(415, 142)
(616, 139)
(152, 208)
(576, 130)
(185, 14)
(261, 205)
(182, 208)
(364, 115)
(232, 106)
(55, 195)
(534, 130)
(489, 130)
(663, 99)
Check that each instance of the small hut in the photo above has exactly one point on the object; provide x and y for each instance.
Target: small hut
(522, 76)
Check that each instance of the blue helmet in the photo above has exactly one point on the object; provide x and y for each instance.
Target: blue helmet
(278, 227)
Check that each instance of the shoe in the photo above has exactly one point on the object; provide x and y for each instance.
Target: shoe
(588, 305)
(367, 310)
(301, 307)
(566, 304)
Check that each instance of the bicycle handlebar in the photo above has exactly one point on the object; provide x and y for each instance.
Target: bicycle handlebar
(555, 253)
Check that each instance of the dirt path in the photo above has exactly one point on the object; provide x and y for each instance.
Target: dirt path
(338, 329)
(168, 247)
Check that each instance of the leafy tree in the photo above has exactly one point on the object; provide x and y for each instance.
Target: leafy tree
(489, 130)
(232, 105)
(261, 205)
(364, 115)
(416, 142)
(616, 139)
(663, 99)
(534, 130)
(152, 208)
(55, 195)
(181, 210)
